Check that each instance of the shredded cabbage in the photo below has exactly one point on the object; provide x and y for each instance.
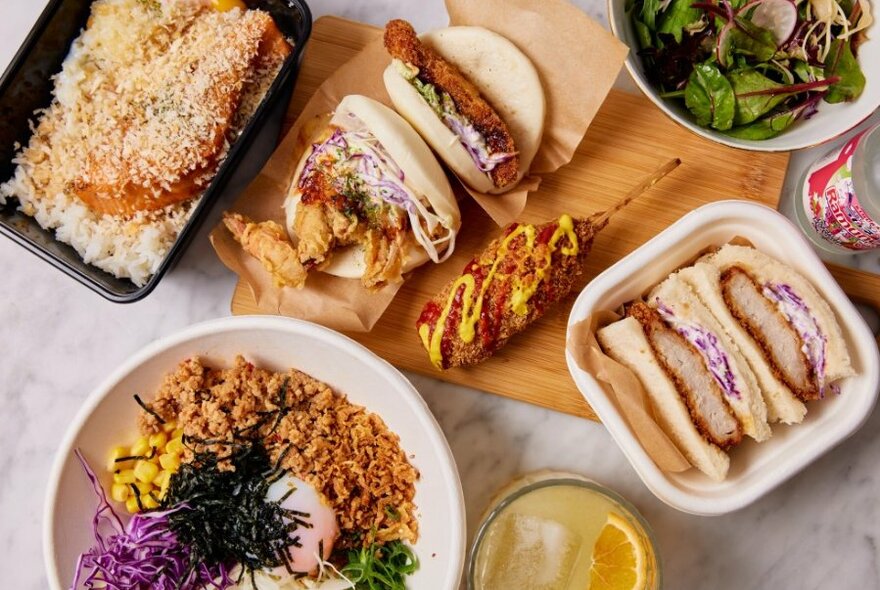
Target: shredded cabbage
(798, 315)
(706, 342)
(359, 161)
(145, 555)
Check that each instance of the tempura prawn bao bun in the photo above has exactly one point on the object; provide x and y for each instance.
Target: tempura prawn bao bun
(506, 78)
(422, 174)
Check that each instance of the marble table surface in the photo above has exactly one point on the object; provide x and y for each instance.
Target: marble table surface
(58, 340)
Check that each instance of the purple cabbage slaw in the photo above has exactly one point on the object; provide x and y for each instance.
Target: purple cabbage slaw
(472, 140)
(444, 106)
(357, 154)
(145, 555)
(793, 308)
(707, 343)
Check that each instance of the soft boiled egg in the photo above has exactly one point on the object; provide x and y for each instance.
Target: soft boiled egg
(317, 530)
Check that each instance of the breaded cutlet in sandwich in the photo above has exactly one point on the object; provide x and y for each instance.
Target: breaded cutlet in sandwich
(786, 317)
(627, 342)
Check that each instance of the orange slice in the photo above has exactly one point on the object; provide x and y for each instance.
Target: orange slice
(619, 557)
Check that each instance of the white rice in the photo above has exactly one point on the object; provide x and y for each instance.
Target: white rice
(102, 65)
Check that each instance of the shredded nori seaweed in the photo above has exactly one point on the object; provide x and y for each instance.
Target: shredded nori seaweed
(227, 518)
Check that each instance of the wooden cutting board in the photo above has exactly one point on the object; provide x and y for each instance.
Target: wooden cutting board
(628, 139)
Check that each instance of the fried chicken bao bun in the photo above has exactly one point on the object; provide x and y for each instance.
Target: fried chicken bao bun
(506, 78)
(422, 174)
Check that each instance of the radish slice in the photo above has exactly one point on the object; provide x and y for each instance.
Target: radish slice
(722, 48)
(777, 16)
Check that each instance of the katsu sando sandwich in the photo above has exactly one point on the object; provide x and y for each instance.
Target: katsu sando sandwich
(705, 396)
(782, 404)
(627, 342)
(792, 324)
(368, 200)
(702, 359)
(474, 97)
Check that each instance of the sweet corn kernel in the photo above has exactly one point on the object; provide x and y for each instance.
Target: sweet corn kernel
(175, 445)
(160, 479)
(115, 454)
(169, 461)
(141, 447)
(149, 502)
(131, 505)
(169, 427)
(126, 476)
(120, 492)
(145, 471)
(164, 488)
(143, 488)
(178, 433)
(158, 440)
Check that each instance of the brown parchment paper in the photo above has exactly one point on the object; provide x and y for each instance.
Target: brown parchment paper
(625, 390)
(577, 61)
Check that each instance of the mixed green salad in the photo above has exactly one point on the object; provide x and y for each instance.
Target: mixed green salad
(751, 68)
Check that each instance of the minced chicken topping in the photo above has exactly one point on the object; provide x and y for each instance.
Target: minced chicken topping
(344, 451)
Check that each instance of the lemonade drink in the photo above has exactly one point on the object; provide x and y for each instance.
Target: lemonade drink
(543, 533)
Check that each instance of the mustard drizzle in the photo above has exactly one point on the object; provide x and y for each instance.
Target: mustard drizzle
(471, 308)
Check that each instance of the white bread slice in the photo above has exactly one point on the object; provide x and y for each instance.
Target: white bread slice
(766, 269)
(625, 342)
(690, 314)
(782, 404)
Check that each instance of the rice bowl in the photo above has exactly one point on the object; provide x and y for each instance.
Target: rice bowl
(275, 343)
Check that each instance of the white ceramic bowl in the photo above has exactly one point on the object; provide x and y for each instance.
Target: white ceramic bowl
(831, 121)
(108, 418)
(755, 469)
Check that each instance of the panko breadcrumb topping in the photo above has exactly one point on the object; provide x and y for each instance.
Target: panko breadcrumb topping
(340, 448)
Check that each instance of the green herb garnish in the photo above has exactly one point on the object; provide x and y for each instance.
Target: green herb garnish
(380, 567)
(392, 512)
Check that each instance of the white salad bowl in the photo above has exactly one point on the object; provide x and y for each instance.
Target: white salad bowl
(108, 418)
(755, 468)
(831, 121)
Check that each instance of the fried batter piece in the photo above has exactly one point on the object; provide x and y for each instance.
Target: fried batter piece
(267, 242)
(684, 364)
(165, 141)
(326, 220)
(504, 290)
(781, 344)
(402, 43)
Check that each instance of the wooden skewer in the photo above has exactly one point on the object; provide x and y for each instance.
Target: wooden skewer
(638, 190)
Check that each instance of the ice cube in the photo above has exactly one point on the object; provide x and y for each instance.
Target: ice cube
(526, 552)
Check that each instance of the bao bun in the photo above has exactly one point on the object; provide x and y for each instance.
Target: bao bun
(423, 176)
(507, 79)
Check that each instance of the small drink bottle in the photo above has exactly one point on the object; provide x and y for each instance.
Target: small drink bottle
(838, 204)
